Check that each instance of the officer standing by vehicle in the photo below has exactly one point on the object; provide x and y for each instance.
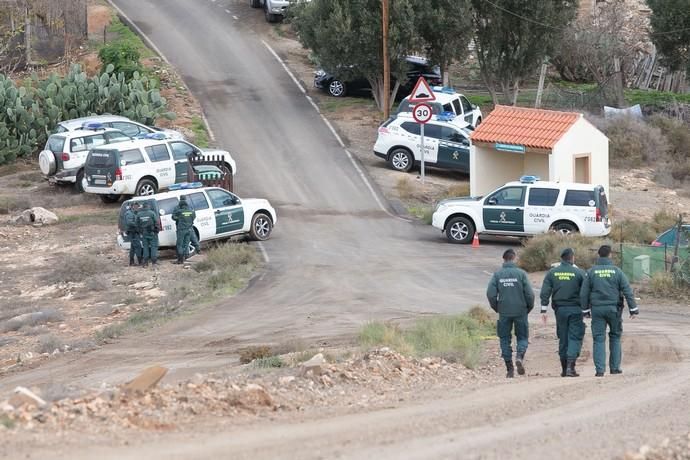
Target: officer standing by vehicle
(602, 290)
(147, 222)
(562, 286)
(510, 295)
(184, 220)
(135, 248)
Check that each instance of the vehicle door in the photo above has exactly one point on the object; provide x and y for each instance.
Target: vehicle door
(181, 151)
(162, 164)
(168, 234)
(467, 110)
(539, 212)
(503, 210)
(228, 211)
(100, 167)
(432, 137)
(582, 203)
(412, 135)
(205, 222)
(454, 149)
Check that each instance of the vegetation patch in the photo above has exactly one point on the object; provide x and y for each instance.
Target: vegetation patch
(228, 266)
(200, 133)
(643, 232)
(454, 338)
(108, 218)
(541, 251)
(75, 268)
(269, 362)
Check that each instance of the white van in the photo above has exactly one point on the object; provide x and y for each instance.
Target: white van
(143, 167)
(219, 214)
(527, 207)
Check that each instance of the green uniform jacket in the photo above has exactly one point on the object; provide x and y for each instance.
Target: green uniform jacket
(509, 291)
(147, 222)
(130, 221)
(604, 285)
(562, 284)
(183, 217)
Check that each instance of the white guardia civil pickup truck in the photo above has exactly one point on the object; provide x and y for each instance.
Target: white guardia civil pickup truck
(526, 207)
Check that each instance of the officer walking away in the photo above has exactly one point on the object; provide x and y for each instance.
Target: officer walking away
(135, 248)
(147, 222)
(510, 295)
(602, 290)
(562, 286)
(184, 220)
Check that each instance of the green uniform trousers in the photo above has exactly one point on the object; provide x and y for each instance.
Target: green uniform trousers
(195, 242)
(150, 243)
(570, 330)
(184, 237)
(602, 317)
(135, 248)
(504, 331)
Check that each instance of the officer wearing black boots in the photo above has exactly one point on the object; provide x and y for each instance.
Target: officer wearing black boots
(562, 286)
(510, 295)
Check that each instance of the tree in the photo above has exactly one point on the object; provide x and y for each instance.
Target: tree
(445, 27)
(670, 23)
(345, 37)
(513, 37)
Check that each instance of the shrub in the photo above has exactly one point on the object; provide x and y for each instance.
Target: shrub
(642, 232)
(49, 343)
(632, 142)
(123, 56)
(541, 251)
(74, 269)
(229, 265)
(268, 362)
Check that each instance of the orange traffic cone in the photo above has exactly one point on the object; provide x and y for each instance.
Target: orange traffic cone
(475, 240)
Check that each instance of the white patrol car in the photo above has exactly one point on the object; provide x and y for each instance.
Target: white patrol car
(527, 207)
(143, 167)
(219, 214)
(124, 124)
(62, 159)
(446, 143)
(448, 101)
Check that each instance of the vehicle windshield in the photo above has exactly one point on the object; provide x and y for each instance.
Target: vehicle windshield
(102, 158)
(55, 144)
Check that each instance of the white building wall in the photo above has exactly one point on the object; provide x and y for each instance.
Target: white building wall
(582, 138)
(490, 168)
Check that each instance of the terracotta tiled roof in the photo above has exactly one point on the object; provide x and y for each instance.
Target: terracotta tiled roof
(534, 128)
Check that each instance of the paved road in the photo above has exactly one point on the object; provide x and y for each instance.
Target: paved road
(337, 258)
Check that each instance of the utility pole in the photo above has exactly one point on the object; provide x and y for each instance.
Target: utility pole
(386, 63)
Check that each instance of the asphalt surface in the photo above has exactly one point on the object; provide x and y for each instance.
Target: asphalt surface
(337, 257)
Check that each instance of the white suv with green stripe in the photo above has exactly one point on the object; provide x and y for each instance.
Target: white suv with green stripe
(523, 208)
(219, 214)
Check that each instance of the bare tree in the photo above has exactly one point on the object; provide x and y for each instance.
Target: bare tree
(600, 42)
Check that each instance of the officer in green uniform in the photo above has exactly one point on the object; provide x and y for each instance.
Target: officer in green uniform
(147, 222)
(602, 291)
(562, 286)
(510, 295)
(135, 248)
(184, 220)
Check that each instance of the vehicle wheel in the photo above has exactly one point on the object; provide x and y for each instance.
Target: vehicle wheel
(78, 186)
(401, 160)
(270, 17)
(261, 227)
(566, 228)
(337, 88)
(47, 162)
(108, 199)
(460, 230)
(146, 187)
(255, 3)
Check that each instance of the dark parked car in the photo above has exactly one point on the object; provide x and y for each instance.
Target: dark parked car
(668, 238)
(417, 67)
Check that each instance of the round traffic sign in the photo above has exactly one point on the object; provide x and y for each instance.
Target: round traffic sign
(422, 113)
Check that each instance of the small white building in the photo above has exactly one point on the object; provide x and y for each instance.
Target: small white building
(556, 146)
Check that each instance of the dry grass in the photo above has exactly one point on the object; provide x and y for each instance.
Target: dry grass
(453, 338)
(543, 250)
(229, 266)
(49, 343)
(73, 268)
(643, 232)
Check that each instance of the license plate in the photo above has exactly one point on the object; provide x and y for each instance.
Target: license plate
(99, 181)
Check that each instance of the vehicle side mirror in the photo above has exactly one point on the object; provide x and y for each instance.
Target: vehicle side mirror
(474, 107)
(465, 142)
(493, 201)
(161, 212)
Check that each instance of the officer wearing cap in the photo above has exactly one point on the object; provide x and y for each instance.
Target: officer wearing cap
(510, 295)
(602, 291)
(135, 248)
(184, 220)
(562, 286)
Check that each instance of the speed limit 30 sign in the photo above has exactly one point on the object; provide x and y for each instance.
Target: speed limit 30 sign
(422, 113)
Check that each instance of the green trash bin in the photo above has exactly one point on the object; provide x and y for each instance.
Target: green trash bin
(205, 172)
